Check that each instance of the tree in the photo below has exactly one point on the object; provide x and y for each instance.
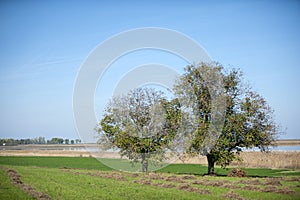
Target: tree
(56, 141)
(39, 140)
(78, 141)
(140, 124)
(72, 142)
(67, 141)
(248, 120)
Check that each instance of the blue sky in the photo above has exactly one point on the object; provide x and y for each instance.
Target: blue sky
(44, 43)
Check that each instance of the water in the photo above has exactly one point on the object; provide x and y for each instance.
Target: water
(278, 148)
(94, 148)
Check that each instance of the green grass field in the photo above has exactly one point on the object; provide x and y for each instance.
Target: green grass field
(87, 178)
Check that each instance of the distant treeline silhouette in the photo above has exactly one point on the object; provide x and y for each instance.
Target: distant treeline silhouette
(37, 140)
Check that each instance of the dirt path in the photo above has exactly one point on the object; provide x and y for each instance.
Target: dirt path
(16, 180)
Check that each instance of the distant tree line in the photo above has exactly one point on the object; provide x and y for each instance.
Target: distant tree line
(37, 140)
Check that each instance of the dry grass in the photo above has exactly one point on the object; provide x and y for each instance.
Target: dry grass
(44, 153)
(275, 159)
(287, 142)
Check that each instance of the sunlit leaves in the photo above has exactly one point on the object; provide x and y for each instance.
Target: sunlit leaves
(140, 124)
(248, 121)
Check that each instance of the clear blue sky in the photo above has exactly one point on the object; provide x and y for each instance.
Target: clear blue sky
(43, 44)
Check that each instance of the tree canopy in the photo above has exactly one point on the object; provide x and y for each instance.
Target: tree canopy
(247, 118)
(215, 114)
(141, 124)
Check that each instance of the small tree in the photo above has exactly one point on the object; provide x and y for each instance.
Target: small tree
(67, 141)
(140, 124)
(248, 120)
(56, 141)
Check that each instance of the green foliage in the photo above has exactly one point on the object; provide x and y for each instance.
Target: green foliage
(141, 124)
(56, 141)
(12, 142)
(248, 120)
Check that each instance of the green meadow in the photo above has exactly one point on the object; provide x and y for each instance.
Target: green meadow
(87, 178)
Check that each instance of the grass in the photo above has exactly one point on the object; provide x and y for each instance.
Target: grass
(94, 184)
(87, 178)
(63, 185)
(264, 172)
(281, 159)
(202, 169)
(8, 190)
(54, 162)
(92, 163)
(190, 169)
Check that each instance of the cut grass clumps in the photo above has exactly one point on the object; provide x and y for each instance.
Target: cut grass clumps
(63, 183)
(236, 172)
(16, 181)
(10, 191)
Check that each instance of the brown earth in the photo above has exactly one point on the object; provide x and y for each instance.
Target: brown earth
(16, 180)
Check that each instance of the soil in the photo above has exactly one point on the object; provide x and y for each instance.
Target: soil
(16, 180)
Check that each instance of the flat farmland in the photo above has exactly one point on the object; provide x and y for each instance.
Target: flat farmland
(251, 159)
(86, 178)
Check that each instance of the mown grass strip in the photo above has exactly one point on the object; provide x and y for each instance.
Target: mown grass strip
(92, 163)
(8, 190)
(54, 162)
(94, 184)
(63, 185)
(197, 169)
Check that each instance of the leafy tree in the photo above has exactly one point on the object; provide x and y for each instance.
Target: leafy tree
(60, 140)
(8, 142)
(247, 123)
(141, 125)
(67, 141)
(38, 140)
(56, 141)
(78, 141)
(72, 142)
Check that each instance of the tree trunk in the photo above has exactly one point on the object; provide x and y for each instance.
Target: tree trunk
(211, 164)
(144, 163)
